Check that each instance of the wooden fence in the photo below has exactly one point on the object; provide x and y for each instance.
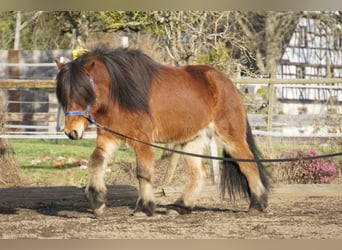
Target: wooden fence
(262, 124)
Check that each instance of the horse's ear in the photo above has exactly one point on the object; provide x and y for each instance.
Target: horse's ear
(89, 67)
(59, 64)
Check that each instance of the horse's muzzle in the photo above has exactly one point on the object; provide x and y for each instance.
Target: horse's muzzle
(73, 135)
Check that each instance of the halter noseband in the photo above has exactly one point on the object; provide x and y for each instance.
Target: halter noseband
(84, 113)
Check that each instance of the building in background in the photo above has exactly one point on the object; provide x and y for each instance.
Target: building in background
(314, 51)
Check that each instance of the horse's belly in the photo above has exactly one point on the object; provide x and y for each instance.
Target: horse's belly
(180, 131)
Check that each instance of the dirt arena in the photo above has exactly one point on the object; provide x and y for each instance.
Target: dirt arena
(294, 212)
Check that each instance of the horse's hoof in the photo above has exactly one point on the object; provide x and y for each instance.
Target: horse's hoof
(258, 204)
(97, 200)
(147, 208)
(98, 212)
(178, 208)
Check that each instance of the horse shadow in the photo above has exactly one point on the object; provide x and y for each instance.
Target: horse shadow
(61, 201)
(70, 202)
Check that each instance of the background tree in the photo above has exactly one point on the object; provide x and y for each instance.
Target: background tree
(9, 169)
(266, 34)
(19, 26)
(205, 37)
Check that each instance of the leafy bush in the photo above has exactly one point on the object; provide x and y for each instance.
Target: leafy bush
(315, 171)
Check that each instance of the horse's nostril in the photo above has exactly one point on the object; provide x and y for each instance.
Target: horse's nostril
(73, 135)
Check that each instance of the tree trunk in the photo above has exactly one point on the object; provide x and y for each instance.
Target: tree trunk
(9, 169)
(17, 31)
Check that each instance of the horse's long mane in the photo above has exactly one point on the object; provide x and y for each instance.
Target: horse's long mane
(73, 83)
(130, 72)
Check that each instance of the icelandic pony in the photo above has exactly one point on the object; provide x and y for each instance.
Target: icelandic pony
(126, 91)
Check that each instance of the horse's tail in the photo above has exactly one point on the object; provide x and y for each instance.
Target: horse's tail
(233, 180)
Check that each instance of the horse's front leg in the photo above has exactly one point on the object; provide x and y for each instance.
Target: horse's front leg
(96, 190)
(145, 166)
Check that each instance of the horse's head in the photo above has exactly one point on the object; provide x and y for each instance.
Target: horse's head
(76, 93)
(121, 78)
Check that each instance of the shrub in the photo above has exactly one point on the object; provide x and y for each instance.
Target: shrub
(315, 171)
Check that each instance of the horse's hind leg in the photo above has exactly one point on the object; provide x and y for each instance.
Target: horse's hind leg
(196, 173)
(96, 189)
(145, 165)
(253, 185)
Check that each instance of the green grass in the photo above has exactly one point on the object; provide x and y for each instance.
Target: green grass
(37, 158)
(31, 149)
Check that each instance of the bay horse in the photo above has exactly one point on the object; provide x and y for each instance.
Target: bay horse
(127, 91)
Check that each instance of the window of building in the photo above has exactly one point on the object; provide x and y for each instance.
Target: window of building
(302, 38)
(300, 72)
(338, 42)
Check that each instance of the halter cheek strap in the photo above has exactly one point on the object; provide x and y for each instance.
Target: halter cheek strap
(84, 113)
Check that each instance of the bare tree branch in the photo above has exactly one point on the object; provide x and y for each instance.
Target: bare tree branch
(20, 26)
(34, 17)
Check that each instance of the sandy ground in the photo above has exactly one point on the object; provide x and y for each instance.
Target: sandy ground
(288, 216)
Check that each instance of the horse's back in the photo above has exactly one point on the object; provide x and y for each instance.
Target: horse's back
(185, 100)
